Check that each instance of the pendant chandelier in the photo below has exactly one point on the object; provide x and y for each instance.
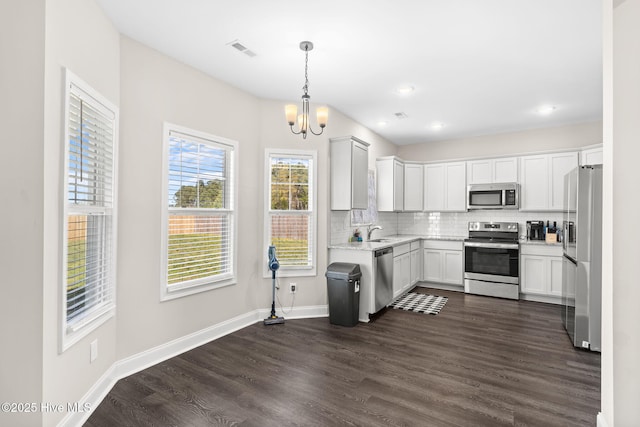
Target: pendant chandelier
(291, 111)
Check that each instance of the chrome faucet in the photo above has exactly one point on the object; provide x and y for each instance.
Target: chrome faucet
(370, 230)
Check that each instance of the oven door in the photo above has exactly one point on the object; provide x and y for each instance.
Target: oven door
(492, 262)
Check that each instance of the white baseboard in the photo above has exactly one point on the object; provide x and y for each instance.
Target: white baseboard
(305, 312)
(443, 286)
(550, 299)
(601, 421)
(93, 398)
(138, 362)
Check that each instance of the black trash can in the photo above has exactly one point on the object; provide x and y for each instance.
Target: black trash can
(343, 287)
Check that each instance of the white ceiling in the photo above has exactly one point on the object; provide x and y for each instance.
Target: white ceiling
(478, 66)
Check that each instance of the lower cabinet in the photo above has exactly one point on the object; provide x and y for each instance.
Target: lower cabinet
(401, 269)
(541, 272)
(442, 261)
(416, 263)
(407, 265)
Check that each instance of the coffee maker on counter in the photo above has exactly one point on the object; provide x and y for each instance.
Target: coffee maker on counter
(535, 230)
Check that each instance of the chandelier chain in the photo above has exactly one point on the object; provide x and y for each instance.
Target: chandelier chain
(306, 71)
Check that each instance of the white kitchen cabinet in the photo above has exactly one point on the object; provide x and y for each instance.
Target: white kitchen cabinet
(348, 173)
(416, 262)
(407, 266)
(533, 272)
(542, 180)
(559, 165)
(452, 268)
(401, 274)
(480, 171)
(489, 171)
(434, 188)
(591, 156)
(431, 263)
(401, 269)
(445, 187)
(390, 184)
(534, 183)
(413, 187)
(456, 175)
(442, 262)
(555, 287)
(541, 272)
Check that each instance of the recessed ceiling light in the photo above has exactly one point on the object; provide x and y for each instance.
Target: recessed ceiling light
(437, 126)
(382, 123)
(546, 110)
(405, 90)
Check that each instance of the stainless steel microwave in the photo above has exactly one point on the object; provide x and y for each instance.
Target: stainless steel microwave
(493, 196)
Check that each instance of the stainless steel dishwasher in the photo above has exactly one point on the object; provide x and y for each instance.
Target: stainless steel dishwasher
(383, 268)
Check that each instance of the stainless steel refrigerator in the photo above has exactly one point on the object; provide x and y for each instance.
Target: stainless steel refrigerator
(582, 256)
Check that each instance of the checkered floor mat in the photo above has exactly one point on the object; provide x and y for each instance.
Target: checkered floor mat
(420, 303)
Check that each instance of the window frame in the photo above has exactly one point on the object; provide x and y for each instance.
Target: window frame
(194, 286)
(292, 271)
(73, 331)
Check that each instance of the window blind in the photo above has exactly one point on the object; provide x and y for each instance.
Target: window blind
(200, 211)
(291, 209)
(89, 220)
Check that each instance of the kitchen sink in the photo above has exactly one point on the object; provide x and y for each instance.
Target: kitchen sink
(379, 240)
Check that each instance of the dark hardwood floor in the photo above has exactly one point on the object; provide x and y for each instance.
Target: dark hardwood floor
(481, 362)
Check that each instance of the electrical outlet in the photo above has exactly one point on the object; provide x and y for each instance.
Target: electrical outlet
(93, 350)
(293, 288)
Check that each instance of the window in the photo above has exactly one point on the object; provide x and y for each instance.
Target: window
(199, 214)
(89, 228)
(290, 222)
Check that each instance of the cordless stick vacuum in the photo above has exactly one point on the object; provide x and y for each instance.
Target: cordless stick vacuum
(273, 266)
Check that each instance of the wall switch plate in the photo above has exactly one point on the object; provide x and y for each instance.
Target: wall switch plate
(93, 350)
(293, 288)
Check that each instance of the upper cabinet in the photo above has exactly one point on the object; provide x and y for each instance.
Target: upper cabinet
(349, 169)
(390, 184)
(542, 180)
(489, 171)
(445, 187)
(591, 156)
(413, 186)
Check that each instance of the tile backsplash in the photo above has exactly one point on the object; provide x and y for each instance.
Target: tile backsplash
(434, 223)
(342, 229)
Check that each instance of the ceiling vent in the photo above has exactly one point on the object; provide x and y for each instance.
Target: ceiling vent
(242, 48)
(401, 115)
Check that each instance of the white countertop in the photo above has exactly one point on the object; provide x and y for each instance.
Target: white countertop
(390, 241)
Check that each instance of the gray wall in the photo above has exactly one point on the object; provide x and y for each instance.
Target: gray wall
(21, 177)
(79, 37)
(504, 144)
(625, 327)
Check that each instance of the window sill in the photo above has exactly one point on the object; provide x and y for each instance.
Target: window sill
(170, 294)
(72, 333)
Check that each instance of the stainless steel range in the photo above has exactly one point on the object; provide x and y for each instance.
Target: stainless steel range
(492, 260)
